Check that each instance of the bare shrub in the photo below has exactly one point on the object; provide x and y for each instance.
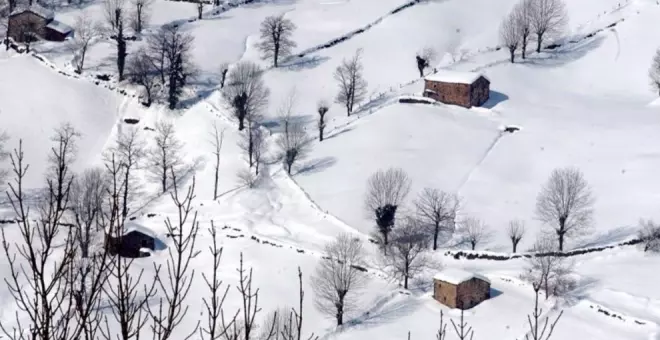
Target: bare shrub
(553, 274)
(650, 236)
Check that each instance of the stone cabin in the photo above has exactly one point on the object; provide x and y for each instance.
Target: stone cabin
(136, 241)
(465, 89)
(29, 23)
(460, 289)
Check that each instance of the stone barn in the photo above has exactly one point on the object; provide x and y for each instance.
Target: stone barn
(29, 23)
(465, 89)
(136, 241)
(460, 289)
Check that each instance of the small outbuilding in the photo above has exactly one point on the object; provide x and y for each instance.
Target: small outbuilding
(29, 23)
(136, 241)
(465, 89)
(460, 289)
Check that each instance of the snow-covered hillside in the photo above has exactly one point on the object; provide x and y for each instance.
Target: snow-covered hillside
(585, 103)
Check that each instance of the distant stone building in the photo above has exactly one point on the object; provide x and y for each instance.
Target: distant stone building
(460, 289)
(136, 241)
(29, 23)
(465, 89)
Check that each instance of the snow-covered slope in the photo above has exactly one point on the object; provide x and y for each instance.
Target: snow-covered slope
(584, 104)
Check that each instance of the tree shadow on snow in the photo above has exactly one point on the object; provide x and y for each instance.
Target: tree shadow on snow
(276, 124)
(566, 54)
(342, 131)
(304, 63)
(316, 165)
(616, 235)
(385, 312)
(494, 99)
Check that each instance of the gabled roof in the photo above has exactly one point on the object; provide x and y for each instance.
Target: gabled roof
(130, 227)
(59, 27)
(457, 276)
(455, 77)
(36, 9)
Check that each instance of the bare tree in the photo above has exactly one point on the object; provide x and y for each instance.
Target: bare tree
(216, 142)
(4, 155)
(176, 47)
(475, 232)
(199, 4)
(442, 329)
(168, 314)
(549, 272)
(259, 148)
(510, 34)
(59, 176)
(246, 177)
(294, 145)
(424, 59)
(246, 92)
(352, 85)
(115, 15)
(407, 255)
(86, 31)
(322, 109)
(437, 210)
(128, 152)
(549, 18)
(39, 260)
(128, 289)
(538, 328)
(164, 158)
(565, 203)
(224, 68)
(276, 32)
(252, 141)
(516, 232)
(337, 281)
(654, 72)
(141, 71)
(386, 190)
(88, 192)
(650, 236)
(523, 12)
(214, 302)
(140, 15)
(287, 108)
(463, 330)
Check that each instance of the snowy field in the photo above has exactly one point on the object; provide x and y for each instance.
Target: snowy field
(586, 103)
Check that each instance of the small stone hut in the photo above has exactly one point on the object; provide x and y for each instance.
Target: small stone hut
(465, 89)
(28, 23)
(136, 241)
(460, 289)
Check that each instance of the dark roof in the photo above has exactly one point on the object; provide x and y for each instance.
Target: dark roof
(36, 9)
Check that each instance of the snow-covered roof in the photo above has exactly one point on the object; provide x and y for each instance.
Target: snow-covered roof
(449, 76)
(456, 276)
(59, 27)
(36, 9)
(132, 226)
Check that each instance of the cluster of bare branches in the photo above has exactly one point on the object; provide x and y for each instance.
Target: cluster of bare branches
(322, 109)
(164, 158)
(654, 72)
(516, 232)
(475, 232)
(437, 211)
(294, 145)
(565, 204)
(650, 236)
(553, 274)
(245, 92)
(276, 41)
(86, 31)
(352, 85)
(424, 58)
(337, 280)
(541, 18)
(386, 191)
(116, 16)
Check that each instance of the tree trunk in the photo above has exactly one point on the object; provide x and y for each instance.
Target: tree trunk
(124, 208)
(539, 41)
(340, 311)
(515, 246)
(407, 272)
(288, 167)
(524, 47)
(241, 124)
(217, 170)
(436, 232)
(474, 244)
(276, 54)
(512, 52)
(320, 134)
(82, 60)
(164, 179)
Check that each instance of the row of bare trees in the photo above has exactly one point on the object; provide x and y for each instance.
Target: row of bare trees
(529, 20)
(68, 285)
(564, 205)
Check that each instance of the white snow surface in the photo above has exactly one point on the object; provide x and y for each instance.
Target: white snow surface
(456, 77)
(457, 276)
(570, 113)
